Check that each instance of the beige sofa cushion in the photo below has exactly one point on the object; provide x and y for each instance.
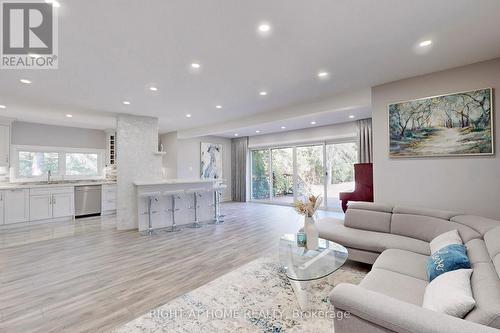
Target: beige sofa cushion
(477, 251)
(334, 230)
(372, 206)
(368, 220)
(492, 241)
(481, 224)
(399, 286)
(486, 292)
(440, 214)
(427, 228)
(403, 262)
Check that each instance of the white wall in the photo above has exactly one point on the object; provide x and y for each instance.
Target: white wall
(137, 142)
(183, 158)
(169, 142)
(188, 159)
(308, 135)
(57, 136)
(468, 184)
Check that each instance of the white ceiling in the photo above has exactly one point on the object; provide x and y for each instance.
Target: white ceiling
(114, 50)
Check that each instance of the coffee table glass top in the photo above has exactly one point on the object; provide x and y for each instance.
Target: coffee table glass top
(301, 264)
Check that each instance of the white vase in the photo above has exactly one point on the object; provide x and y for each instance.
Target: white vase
(312, 234)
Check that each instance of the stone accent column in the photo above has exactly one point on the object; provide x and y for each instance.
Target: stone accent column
(137, 142)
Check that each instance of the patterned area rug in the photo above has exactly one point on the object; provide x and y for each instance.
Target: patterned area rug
(256, 297)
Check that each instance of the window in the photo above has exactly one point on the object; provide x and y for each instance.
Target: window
(33, 163)
(81, 164)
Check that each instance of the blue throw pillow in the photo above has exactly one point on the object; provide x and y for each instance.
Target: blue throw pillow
(449, 258)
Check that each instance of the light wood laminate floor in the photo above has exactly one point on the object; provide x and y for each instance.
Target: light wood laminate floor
(92, 278)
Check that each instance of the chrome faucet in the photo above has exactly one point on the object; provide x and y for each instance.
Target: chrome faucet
(49, 174)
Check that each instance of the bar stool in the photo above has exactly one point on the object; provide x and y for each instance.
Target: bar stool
(217, 199)
(150, 197)
(174, 195)
(196, 193)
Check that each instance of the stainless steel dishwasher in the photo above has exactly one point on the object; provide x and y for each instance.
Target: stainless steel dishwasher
(87, 200)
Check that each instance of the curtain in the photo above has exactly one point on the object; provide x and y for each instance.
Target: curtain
(365, 141)
(239, 153)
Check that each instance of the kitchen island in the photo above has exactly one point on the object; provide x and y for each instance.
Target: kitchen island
(162, 190)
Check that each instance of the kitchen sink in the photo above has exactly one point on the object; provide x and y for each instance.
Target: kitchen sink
(55, 182)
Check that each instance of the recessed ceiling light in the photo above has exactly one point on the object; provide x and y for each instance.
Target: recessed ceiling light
(264, 27)
(257, 131)
(25, 81)
(3, 107)
(323, 74)
(195, 65)
(69, 115)
(236, 134)
(351, 116)
(153, 88)
(313, 123)
(218, 106)
(283, 127)
(425, 43)
(54, 3)
(126, 103)
(263, 93)
(188, 115)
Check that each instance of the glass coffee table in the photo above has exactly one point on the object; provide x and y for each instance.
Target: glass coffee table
(304, 268)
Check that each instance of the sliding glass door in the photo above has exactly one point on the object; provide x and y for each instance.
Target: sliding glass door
(260, 175)
(282, 166)
(340, 159)
(284, 174)
(310, 171)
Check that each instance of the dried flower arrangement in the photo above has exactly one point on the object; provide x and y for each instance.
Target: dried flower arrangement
(309, 207)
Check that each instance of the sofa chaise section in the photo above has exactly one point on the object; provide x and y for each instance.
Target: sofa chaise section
(390, 297)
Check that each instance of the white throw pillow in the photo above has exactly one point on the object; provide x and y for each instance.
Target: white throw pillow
(450, 293)
(448, 238)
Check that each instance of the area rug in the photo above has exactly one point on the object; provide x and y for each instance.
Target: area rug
(257, 297)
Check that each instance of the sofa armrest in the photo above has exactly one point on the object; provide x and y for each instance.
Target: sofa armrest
(394, 315)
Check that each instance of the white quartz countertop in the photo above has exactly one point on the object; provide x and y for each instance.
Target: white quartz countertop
(172, 181)
(12, 186)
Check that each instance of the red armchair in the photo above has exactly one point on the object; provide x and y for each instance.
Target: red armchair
(363, 188)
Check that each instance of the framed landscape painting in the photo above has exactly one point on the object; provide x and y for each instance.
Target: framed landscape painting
(211, 161)
(449, 125)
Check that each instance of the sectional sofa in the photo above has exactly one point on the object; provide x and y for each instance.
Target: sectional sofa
(396, 241)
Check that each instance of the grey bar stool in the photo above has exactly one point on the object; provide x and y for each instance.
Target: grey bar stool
(150, 197)
(217, 199)
(174, 195)
(196, 193)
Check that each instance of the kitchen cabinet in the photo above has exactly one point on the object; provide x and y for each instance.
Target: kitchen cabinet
(40, 207)
(16, 207)
(108, 198)
(4, 145)
(62, 204)
(2, 206)
(48, 203)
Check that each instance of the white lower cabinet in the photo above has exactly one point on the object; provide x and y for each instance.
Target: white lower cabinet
(40, 207)
(16, 207)
(108, 199)
(48, 203)
(62, 204)
(2, 207)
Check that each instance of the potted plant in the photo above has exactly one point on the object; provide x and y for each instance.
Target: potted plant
(308, 208)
